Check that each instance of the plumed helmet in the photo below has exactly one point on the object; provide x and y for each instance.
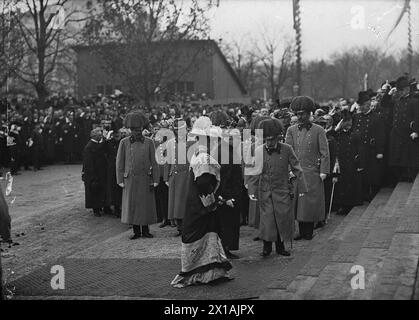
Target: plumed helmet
(271, 127)
(302, 103)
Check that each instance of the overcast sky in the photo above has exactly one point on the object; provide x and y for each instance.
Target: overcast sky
(326, 24)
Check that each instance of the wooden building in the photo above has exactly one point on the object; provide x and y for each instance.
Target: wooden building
(201, 70)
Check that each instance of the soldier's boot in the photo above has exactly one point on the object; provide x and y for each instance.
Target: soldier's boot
(267, 248)
(146, 232)
(280, 249)
(137, 232)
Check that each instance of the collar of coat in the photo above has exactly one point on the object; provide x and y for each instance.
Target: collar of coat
(276, 149)
(135, 138)
(306, 125)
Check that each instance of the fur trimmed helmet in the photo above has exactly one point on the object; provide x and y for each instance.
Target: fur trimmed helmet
(135, 119)
(302, 103)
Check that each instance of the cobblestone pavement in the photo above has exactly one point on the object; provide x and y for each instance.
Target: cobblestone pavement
(49, 223)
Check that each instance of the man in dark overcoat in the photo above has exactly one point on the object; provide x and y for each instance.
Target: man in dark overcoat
(94, 172)
(403, 150)
(371, 129)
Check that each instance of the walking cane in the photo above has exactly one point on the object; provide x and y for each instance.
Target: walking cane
(331, 201)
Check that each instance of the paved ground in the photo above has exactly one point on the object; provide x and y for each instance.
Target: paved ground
(51, 226)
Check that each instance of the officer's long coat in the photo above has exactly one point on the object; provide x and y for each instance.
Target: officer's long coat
(271, 182)
(371, 130)
(403, 151)
(312, 151)
(137, 168)
(254, 210)
(351, 157)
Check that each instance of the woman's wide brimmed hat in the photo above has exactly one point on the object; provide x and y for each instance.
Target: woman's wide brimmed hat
(203, 127)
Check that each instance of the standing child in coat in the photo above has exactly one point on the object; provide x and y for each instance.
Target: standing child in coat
(271, 177)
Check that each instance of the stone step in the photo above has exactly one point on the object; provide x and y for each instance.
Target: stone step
(301, 274)
(398, 277)
(334, 281)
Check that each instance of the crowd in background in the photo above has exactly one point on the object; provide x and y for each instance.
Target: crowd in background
(31, 138)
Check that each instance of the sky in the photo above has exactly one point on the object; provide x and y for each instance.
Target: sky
(327, 25)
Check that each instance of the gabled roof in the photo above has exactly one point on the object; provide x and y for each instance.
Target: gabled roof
(211, 43)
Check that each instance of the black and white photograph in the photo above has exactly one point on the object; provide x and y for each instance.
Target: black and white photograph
(209, 155)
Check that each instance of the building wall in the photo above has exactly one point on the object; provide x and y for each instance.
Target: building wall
(91, 74)
(208, 73)
(225, 86)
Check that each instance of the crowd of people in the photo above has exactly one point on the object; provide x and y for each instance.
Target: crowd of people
(312, 159)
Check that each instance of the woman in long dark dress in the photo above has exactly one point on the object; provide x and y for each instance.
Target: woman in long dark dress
(203, 256)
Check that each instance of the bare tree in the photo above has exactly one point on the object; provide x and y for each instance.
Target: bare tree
(139, 41)
(45, 27)
(243, 61)
(276, 60)
(11, 44)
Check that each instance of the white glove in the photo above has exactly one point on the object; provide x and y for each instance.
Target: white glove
(414, 135)
(155, 184)
(380, 156)
(207, 200)
(230, 203)
(167, 183)
(335, 180)
(323, 176)
(301, 195)
(252, 197)
(360, 169)
(246, 186)
(122, 185)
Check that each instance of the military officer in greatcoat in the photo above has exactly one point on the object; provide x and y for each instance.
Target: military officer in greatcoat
(137, 172)
(371, 129)
(270, 179)
(404, 134)
(309, 142)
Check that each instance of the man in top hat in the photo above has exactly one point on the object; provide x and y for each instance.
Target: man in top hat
(309, 142)
(404, 136)
(371, 129)
(137, 172)
(268, 182)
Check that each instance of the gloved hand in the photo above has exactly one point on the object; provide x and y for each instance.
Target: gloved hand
(230, 203)
(323, 176)
(380, 156)
(122, 185)
(252, 197)
(414, 135)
